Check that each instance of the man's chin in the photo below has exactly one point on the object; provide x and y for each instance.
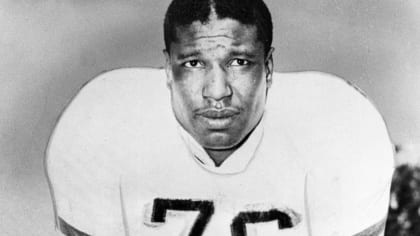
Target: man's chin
(219, 141)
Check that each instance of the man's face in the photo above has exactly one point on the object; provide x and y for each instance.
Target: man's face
(218, 76)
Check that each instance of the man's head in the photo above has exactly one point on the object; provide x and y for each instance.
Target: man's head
(219, 67)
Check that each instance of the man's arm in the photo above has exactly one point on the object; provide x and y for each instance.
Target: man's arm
(83, 174)
(349, 181)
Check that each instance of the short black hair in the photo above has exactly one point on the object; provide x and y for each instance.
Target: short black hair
(248, 12)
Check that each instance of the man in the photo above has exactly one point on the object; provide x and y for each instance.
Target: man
(312, 158)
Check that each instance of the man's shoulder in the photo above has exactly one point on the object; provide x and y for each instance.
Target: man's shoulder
(317, 98)
(117, 90)
(110, 115)
(311, 87)
(329, 120)
(134, 83)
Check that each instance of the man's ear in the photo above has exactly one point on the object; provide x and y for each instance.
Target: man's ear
(168, 68)
(269, 67)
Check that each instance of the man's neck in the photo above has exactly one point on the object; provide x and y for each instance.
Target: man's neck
(219, 156)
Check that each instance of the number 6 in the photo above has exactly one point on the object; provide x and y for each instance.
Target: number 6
(238, 226)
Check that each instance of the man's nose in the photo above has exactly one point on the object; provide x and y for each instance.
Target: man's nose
(217, 84)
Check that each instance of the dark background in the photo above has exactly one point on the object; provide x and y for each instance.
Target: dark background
(49, 49)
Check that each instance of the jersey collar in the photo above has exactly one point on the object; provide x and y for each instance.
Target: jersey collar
(236, 162)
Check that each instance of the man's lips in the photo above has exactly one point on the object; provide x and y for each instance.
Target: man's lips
(217, 119)
(212, 113)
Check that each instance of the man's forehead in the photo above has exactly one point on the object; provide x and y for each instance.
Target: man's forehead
(216, 29)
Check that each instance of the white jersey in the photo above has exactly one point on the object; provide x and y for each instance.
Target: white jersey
(319, 163)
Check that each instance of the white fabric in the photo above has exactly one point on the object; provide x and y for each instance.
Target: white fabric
(321, 155)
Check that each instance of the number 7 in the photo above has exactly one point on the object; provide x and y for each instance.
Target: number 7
(206, 209)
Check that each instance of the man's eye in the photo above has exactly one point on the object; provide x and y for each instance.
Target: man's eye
(239, 62)
(193, 64)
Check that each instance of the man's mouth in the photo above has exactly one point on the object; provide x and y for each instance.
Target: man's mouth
(212, 113)
(218, 119)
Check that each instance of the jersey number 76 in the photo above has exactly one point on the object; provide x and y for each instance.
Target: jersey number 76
(206, 209)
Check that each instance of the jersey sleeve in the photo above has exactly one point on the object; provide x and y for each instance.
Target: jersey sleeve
(349, 177)
(84, 179)
(366, 179)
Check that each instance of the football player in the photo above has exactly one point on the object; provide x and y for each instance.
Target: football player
(232, 149)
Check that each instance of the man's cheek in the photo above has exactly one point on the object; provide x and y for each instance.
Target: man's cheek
(180, 74)
(188, 101)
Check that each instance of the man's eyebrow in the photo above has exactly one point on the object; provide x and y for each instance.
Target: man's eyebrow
(183, 56)
(214, 36)
(246, 53)
(232, 53)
